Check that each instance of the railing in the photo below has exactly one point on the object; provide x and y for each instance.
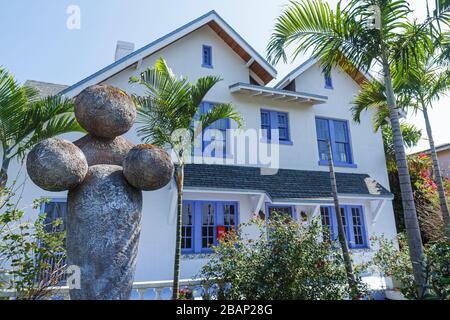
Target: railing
(148, 290)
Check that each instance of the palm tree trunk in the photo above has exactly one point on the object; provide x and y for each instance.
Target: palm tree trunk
(4, 173)
(437, 173)
(409, 209)
(341, 231)
(179, 174)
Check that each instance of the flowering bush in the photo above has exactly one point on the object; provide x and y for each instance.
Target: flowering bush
(425, 196)
(186, 294)
(286, 261)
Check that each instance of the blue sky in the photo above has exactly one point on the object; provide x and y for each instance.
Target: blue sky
(36, 44)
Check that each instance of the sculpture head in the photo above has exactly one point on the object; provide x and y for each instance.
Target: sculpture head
(105, 111)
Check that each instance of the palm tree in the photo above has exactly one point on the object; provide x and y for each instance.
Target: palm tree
(170, 116)
(26, 120)
(425, 82)
(360, 36)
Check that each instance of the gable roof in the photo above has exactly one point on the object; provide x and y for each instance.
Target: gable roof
(285, 185)
(357, 75)
(254, 60)
(45, 89)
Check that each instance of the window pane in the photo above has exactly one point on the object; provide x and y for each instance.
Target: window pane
(282, 120)
(186, 242)
(55, 210)
(357, 226)
(265, 119)
(208, 213)
(340, 131)
(323, 150)
(341, 152)
(326, 222)
(283, 133)
(322, 129)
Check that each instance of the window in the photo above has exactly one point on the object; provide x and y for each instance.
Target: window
(353, 220)
(275, 120)
(328, 81)
(337, 132)
(202, 221)
(54, 209)
(281, 210)
(207, 57)
(214, 142)
(290, 86)
(187, 226)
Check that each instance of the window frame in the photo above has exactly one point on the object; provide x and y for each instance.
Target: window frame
(332, 137)
(273, 121)
(197, 245)
(207, 64)
(350, 235)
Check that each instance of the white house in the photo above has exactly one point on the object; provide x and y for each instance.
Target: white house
(304, 109)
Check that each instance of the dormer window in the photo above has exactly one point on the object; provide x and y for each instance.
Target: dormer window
(290, 86)
(328, 81)
(207, 57)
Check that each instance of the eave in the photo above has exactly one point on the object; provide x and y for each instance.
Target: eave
(277, 94)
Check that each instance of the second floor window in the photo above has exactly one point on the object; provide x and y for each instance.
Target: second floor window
(214, 139)
(354, 226)
(207, 56)
(328, 81)
(203, 221)
(337, 132)
(275, 120)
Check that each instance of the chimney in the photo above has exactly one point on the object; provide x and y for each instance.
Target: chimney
(123, 49)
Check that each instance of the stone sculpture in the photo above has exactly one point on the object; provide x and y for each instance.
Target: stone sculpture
(104, 174)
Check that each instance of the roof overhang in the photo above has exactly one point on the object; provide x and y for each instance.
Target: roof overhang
(358, 76)
(255, 61)
(277, 94)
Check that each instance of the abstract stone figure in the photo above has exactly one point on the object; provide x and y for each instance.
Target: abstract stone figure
(104, 199)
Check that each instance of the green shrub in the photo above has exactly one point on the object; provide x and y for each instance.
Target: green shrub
(396, 263)
(287, 262)
(32, 253)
